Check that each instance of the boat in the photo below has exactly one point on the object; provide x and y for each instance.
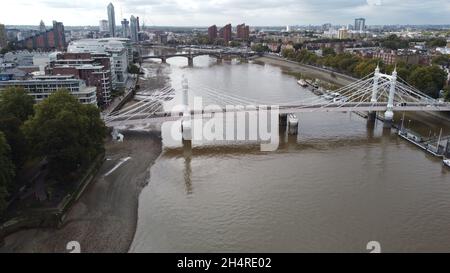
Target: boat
(302, 83)
(446, 162)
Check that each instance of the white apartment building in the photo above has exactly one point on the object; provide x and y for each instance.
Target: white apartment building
(119, 49)
(40, 87)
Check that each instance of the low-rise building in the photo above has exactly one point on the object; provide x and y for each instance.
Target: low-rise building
(94, 69)
(444, 50)
(40, 87)
(13, 74)
(394, 57)
(343, 34)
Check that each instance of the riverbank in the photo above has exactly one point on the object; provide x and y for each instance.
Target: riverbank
(105, 217)
(310, 71)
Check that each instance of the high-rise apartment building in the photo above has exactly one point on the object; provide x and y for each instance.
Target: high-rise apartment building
(343, 34)
(243, 32)
(212, 33)
(225, 33)
(125, 28)
(111, 20)
(133, 29)
(103, 25)
(138, 24)
(42, 27)
(360, 24)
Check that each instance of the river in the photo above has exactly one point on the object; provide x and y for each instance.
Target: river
(333, 188)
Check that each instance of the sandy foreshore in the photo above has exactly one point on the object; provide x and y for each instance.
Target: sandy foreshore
(105, 217)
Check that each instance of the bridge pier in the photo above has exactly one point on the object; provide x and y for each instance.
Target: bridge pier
(186, 130)
(164, 60)
(372, 116)
(292, 124)
(219, 59)
(282, 120)
(388, 119)
(116, 135)
(190, 61)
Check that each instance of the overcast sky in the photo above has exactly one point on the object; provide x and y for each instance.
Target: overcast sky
(220, 12)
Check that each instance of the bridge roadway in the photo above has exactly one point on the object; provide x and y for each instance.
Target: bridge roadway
(142, 118)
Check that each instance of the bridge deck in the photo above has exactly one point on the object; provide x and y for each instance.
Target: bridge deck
(364, 107)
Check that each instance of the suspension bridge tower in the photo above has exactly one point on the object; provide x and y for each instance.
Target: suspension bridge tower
(186, 123)
(389, 114)
(376, 77)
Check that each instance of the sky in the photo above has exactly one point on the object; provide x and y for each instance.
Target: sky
(221, 12)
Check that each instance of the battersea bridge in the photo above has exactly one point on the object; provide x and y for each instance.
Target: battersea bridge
(376, 92)
(218, 54)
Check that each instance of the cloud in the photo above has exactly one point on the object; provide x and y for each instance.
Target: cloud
(253, 12)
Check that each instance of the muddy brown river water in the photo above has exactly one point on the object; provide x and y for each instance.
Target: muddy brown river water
(336, 186)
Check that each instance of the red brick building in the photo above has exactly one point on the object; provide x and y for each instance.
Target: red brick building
(243, 32)
(225, 33)
(394, 57)
(212, 33)
(54, 38)
(94, 69)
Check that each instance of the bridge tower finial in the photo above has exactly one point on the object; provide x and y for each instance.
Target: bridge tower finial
(376, 78)
(394, 73)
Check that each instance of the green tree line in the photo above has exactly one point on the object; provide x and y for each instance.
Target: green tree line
(428, 79)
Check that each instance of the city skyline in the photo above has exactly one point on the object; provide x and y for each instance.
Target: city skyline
(205, 13)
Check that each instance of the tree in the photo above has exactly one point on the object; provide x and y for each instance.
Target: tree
(288, 53)
(15, 107)
(394, 42)
(11, 127)
(65, 132)
(328, 51)
(260, 48)
(428, 79)
(9, 47)
(365, 67)
(447, 93)
(133, 69)
(403, 70)
(436, 42)
(298, 46)
(6, 172)
(442, 60)
(15, 101)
